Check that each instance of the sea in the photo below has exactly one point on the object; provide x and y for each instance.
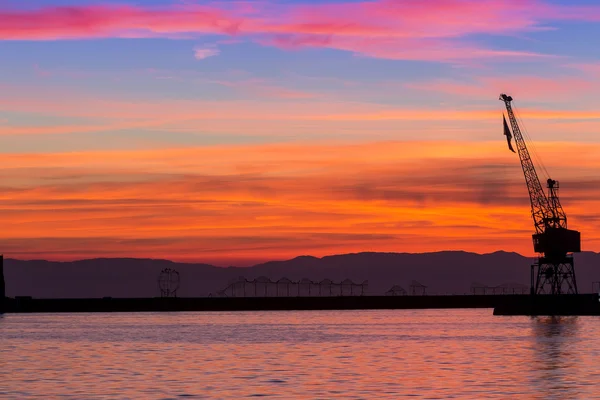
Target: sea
(395, 354)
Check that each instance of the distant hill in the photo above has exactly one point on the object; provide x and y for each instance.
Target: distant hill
(442, 272)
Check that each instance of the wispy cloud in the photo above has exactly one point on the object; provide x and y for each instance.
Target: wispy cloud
(202, 52)
(523, 87)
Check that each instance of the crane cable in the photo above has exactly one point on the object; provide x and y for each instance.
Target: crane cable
(531, 144)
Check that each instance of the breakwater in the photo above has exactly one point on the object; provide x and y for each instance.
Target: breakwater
(502, 304)
(248, 303)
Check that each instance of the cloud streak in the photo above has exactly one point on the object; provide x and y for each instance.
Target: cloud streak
(308, 112)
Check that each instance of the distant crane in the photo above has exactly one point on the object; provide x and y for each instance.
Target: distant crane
(552, 240)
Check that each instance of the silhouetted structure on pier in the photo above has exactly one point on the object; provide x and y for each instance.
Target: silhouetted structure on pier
(396, 291)
(504, 288)
(284, 287)
(417, 289)
(168, 282)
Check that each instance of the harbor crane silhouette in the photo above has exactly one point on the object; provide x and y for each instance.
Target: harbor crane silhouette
(554, 242)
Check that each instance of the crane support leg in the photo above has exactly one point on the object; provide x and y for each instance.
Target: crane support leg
(555, 276)
(532, 289)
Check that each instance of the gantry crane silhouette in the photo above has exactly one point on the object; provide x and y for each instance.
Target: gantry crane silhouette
(554, 242)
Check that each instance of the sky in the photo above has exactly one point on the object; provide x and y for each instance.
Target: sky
(236, 132)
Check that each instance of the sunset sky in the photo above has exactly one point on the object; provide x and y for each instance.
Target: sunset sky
(239, 132)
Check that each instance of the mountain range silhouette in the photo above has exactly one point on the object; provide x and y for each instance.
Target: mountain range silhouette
(444, 272)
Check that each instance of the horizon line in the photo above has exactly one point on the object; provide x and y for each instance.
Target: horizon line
(271, 261)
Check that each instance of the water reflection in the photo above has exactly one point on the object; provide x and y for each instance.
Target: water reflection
(324, 354)
(556, 356)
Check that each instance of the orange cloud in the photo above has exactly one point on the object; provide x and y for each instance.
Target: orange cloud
(225, 203)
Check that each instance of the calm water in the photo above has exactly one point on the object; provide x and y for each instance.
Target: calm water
(341, 354)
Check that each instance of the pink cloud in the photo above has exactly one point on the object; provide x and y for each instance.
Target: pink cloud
(39, 71)
(592, 69)
(442, 18)
(52, 23)
(384, 28)
(297, 41)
